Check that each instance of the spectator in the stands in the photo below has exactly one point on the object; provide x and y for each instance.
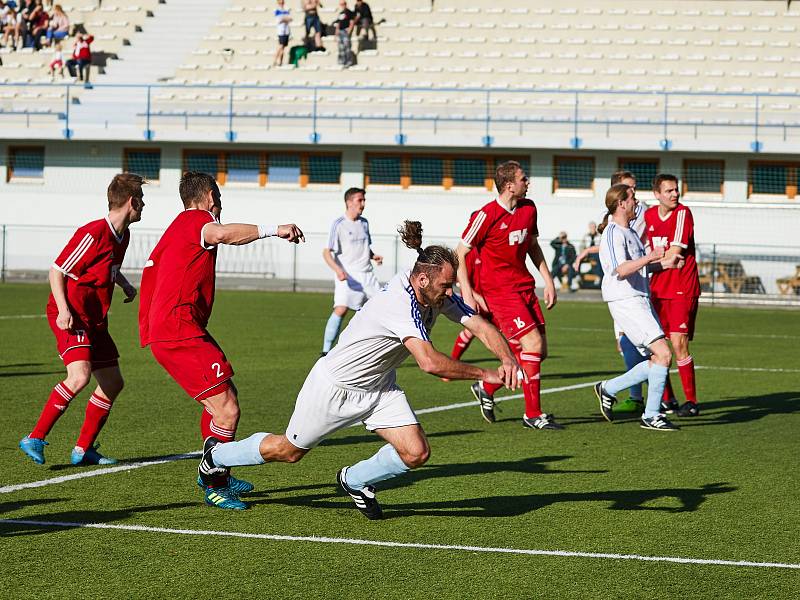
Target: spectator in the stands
(345, 23)
(57, 63)
(58, 28)
(81, 60)
(364, 20)
(38, 21)
(311, 9)
(13, 23)
(282, 19)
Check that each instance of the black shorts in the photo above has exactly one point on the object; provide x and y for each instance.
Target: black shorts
(283, 40)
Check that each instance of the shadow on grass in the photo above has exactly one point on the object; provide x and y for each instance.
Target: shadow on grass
(32, 373)
(743, 410)
(14, 365)
(127, 461)
(689, 499)
(65, 520)
(533, 466)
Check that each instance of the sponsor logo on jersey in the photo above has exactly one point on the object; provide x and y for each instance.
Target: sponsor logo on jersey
(517, 236)
(659, 241)
(503, 226)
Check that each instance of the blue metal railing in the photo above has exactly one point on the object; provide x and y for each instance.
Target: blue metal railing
(666, 115)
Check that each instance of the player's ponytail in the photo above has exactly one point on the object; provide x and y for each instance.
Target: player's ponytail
(615, 194)
(429, 259)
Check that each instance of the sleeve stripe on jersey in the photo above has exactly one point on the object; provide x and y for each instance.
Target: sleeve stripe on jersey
(474, 228)
(332, 235)
(416, 316)
(77, 254)
(610, 242)
(679, 223)
(465, 308)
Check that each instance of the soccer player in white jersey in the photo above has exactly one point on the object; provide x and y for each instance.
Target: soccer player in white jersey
(626, 289)
(356, 381)
(629, 353)
(349, 255)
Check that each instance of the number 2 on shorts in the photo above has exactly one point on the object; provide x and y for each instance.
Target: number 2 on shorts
(217, 368)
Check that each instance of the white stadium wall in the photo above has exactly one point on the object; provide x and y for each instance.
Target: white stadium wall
(76, 174)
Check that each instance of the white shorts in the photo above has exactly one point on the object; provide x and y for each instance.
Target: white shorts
(323, 408)
(635, 316)
(354, 291)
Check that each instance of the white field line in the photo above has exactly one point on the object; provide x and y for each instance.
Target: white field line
(769, 336)
(167, 459)
(127, 467)
(411, 545)
(7, 317)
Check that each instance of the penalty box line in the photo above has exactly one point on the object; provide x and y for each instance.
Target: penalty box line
(405, 545)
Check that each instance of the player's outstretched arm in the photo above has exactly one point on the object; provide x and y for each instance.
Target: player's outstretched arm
(127, 287)
(334, 264)
(537, 256)
(434, 362)
(496, 343)
(58, 285)
(238, 234)
(470, 296)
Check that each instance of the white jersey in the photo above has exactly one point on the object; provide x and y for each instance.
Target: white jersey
(350, 242)
(637, 223)
(371, 346)
(619, 245)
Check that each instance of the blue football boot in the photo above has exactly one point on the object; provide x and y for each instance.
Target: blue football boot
(90, 457)
(33, 447)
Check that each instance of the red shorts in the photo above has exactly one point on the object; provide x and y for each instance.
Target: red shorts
(516, 313)
(197, 364)
(93, 345)
(677, 315)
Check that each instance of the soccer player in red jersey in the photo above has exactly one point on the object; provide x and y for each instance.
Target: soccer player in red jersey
(505, 233)
(82, 281)
(675, 292)
(177, 295)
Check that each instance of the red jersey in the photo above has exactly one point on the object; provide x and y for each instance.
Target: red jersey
(91, 261)
(502, 237)
(473, 263)
(177, 289)
(677, 229)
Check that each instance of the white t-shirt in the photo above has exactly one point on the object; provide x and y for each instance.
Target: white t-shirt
(619, 245)
(283, 26)
(371, 346)
(350, 242)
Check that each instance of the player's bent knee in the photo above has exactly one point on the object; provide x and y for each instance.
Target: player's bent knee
(416, 457)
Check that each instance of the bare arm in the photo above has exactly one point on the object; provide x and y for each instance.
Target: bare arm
(434, 362)
(58, 285)
(629, 267)
(470, 296)
(334, 264)
(496, 343)
(237, 234)
(127, 287)
(535, 252)
(583, 254)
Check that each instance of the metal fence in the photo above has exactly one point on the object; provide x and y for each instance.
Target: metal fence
(484, 113)
(728, 272)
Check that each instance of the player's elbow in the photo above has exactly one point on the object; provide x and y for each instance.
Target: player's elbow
(427, 364)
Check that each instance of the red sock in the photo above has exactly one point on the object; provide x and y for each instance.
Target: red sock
(491, 388)
(668, 393)
(531, 363)
(209, 428)
(686, 371)
(96, 415)
(56, 404)
(463, 340)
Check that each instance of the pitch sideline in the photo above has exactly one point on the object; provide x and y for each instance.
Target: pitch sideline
(410, 545)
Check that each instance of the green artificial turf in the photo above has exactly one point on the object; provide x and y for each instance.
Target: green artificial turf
(724, 487)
